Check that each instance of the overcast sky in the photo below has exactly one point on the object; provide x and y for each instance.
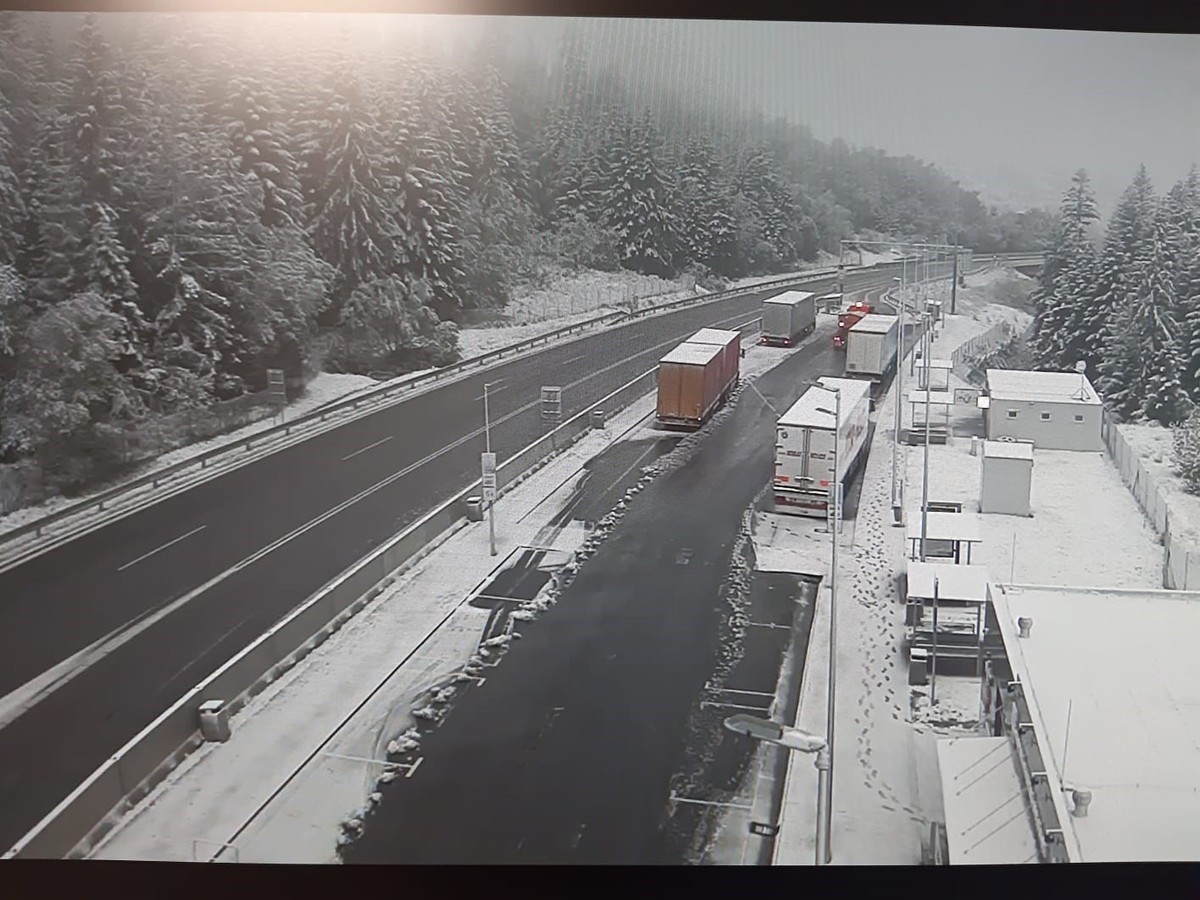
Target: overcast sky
(987, 104)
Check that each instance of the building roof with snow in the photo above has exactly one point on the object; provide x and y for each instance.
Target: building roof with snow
(1056, 387)
(693, 354)
(1112, 679)
(1008, 450)
(791, 298)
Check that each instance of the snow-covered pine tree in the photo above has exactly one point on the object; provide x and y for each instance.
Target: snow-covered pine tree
(1156, 333)
(636, 205)
(256, 134)
(1107, 322)
(429, 185)
(349, 191)
(1065, 289)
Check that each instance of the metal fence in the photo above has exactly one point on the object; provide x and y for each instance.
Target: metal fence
(1181, 558)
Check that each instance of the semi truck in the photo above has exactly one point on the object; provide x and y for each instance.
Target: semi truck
(788, 316)
(809, 445)
(848, 319)
(871, 347)
(696, 377)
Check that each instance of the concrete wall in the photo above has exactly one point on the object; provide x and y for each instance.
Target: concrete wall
(1061, 432)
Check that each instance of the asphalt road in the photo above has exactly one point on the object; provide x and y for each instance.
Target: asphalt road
(569, 750)
(153, 603)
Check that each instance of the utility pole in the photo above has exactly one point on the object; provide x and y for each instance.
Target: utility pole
(831, 708)
(925, 474)
(899, 391)
(954, 283)
(491, 501)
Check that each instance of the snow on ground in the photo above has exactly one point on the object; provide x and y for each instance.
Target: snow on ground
(321, 391)
(221, 787)
(957, 709)
(1153, 444)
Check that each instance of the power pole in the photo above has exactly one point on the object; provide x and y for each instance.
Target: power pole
(954, 284)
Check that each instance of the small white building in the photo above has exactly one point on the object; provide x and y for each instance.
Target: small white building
(1054, 410)
(1006, 477)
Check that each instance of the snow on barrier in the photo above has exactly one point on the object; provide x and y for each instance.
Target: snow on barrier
(1181, 558)
(217, 456)
(93, 808)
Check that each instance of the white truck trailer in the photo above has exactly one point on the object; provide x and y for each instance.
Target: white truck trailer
(871, 347)
(805, 440)
(788, 316)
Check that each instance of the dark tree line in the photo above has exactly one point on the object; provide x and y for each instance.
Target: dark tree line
(186, 202)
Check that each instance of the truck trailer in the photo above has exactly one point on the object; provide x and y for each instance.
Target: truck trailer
(871, 347)
(731, 341)
(805, 445)
(855, 313)
(787, 317)
(693, 379)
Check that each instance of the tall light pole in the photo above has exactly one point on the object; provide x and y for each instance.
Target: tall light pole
(831, 706)
(899, 391)
(925, 475)
(487, 431)
(798, 740)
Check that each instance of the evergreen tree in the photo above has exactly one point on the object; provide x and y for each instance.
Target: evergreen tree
(636, 205)
(1156, 334)
(349, 187)
(261, 148)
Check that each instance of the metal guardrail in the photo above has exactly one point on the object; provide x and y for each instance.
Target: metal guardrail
(202, 460)
(89, 812)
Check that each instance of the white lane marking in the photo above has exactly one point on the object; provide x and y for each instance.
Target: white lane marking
(19, 701)
(491, 392)
(368, 447)
(163, 547)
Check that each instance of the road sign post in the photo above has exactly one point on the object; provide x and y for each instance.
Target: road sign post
(488, 482)
(552, 409)
(277, 386)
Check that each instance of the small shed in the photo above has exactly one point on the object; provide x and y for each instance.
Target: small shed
(948, 536)
(1006, 478)
(939, 374)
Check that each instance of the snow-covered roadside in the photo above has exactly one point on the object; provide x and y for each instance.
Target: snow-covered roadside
(221, 787)
(321, 391)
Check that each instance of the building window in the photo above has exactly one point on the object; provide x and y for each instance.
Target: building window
(1078, 417)
(1012, 413)
(1045, 417)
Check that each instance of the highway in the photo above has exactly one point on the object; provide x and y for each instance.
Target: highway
(126, 619)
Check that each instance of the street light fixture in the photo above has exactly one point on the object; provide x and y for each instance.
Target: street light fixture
(800, 741)
(831, 706)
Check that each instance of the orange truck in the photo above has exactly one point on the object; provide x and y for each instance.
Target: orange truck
(697, 377)
(847, 320)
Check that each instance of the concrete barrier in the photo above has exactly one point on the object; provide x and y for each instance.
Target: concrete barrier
(93, 809)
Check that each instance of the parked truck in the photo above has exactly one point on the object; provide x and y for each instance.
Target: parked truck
(854, 313)
(696, 377)
(809, 445)
(731, 341)
(871, 348)
(788, 316)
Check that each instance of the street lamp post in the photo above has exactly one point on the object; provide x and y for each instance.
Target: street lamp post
(899, 390)
(487, 431)
(802, 742)
(925, 474)
(831, 702)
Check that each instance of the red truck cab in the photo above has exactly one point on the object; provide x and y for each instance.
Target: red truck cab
(847, 320)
